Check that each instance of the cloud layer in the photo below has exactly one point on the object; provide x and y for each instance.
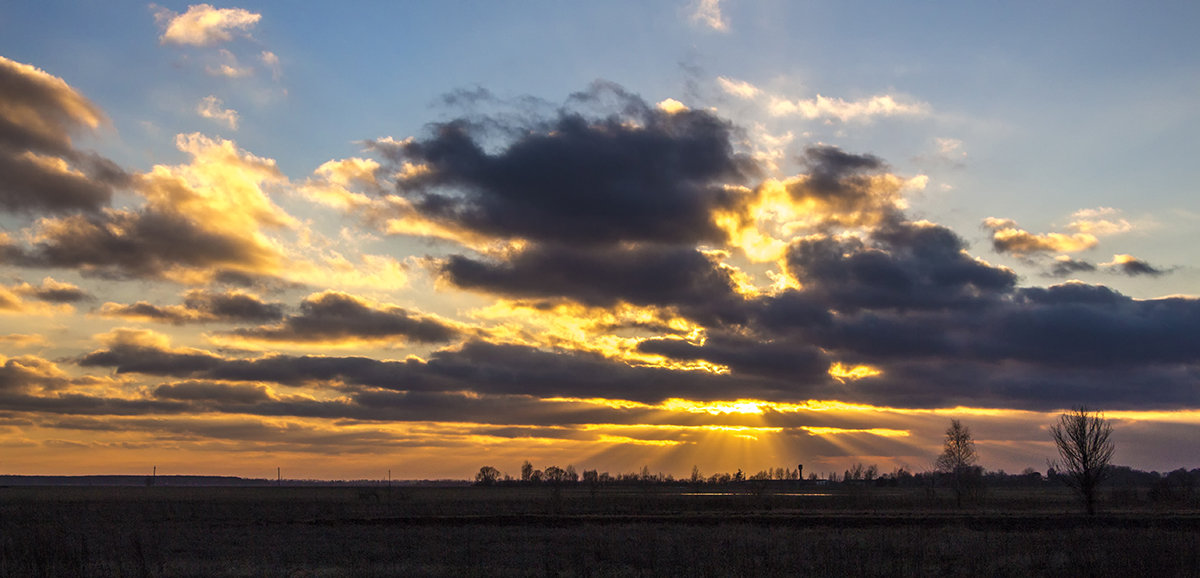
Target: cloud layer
(601, 269)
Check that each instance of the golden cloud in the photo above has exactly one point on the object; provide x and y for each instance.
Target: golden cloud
(777, 212)
(576, 327)
(844, 373)
(335, 179)
(1007, 237)
(12, 301)
(672, 106)
(738, 88)
(846, 111)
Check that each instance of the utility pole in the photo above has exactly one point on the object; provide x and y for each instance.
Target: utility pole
(278, 477)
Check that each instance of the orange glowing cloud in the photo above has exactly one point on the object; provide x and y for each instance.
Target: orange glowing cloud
(771, 216)
(844, 373)
(1008, 238)
(569, 325)
(875, 431)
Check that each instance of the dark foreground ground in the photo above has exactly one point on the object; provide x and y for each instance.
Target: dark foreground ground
(469, 531)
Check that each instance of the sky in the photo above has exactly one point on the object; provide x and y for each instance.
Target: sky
(422, 238)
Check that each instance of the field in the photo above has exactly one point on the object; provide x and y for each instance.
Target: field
(581, 531)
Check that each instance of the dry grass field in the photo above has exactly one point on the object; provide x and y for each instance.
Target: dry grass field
(577, 531)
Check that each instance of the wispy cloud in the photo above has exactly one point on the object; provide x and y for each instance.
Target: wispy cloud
(227, 65)
(1099, 221)
(738, 88)
(212, 107)
(823, 107)
(708, 13)
(846, 110)
(203, 25)
(271, 61)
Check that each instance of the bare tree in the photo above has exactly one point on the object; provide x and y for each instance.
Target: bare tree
(1084, 440)
(958, 459)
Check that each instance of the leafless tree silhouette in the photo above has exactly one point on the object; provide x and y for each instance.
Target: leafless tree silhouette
(1084, 441)
(958, 459)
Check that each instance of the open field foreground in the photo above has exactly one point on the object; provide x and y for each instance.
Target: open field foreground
(611, 531)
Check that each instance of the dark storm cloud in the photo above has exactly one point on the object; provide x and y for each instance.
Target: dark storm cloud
(880, 337)
(52, 291)
(1075, 294)
(1069, 266)
(43, 172)
(611, 197)
(31, 186)
(30, 383)
(1073, 324)
(82, 404)
(525, 370)
(201, 306)
(949, 382)
(837, 175)
(266, 436)
(152, 360)
(494, 415)
(635, 174)
(21, 373)
(1134, 267)
(232, 306)
(790, 311)
(333, 316)
(902, 266)
(213, 392)
(135, 244)
(61, 293)
(145, 310)
(477, 366)
(947, 329)
(779, 359)
(646, 275)
(1036, 348)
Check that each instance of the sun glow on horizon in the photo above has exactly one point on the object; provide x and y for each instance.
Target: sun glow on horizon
(877, 431)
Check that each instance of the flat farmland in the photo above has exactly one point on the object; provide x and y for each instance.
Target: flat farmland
(582, 531)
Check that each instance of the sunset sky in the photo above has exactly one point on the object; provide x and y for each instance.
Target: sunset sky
(428, 237)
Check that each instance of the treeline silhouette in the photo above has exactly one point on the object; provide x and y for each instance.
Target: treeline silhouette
(1178, 485)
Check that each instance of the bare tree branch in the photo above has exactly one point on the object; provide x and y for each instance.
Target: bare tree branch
(1084, 440)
